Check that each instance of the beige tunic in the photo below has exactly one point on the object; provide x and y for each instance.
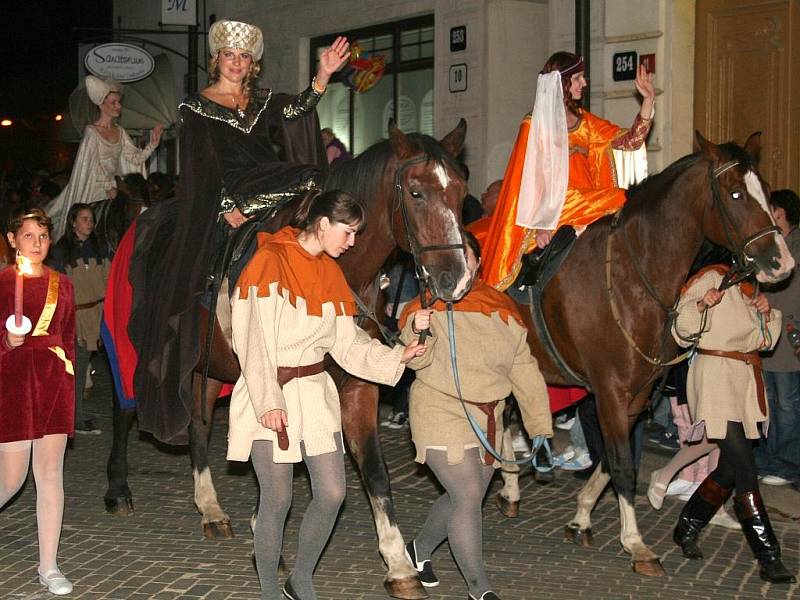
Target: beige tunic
(723, 389)
(275, 330)
(89, 281)
(493, 361)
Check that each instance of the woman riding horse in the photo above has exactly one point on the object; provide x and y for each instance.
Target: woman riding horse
(230, 172)
(561, 170)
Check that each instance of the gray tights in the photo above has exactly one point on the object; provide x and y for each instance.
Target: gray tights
(275, 482)
(456, 515)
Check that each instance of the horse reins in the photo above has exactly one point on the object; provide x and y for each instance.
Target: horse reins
(423, 276)
(743, 268)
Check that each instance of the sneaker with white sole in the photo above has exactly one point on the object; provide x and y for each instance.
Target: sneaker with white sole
(689, 492)
(774, 480)
(580, 462)
(424, 568)
(678, 487)
(398, 421)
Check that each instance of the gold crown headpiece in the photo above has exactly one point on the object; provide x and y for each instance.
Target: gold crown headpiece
(234, 34)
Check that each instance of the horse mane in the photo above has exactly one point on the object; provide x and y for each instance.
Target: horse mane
(640, 196)
(363, 175)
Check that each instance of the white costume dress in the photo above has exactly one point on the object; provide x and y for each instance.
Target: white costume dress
(97, 163)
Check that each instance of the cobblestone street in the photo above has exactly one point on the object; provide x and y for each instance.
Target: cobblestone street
(160, 553)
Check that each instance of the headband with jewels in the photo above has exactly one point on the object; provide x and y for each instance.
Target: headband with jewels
(234, 34)
(97, 89)
(575, 67)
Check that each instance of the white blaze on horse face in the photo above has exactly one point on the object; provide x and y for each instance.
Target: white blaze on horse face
(785, 259)
(441, 173)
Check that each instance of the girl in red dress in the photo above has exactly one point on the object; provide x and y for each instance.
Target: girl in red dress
(37, 387)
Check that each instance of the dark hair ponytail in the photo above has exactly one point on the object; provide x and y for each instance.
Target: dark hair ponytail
(338, 206)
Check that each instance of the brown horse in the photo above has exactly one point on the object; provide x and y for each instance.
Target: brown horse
(648, 249)
(412, 190)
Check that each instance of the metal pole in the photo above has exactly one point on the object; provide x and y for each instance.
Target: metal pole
(583, 43)
(191, 74)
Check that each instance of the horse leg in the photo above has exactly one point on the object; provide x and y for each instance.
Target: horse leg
(507, 499)
(616, 426)
(359, 402)
(118, 498)
(579, 530)
(216, 524)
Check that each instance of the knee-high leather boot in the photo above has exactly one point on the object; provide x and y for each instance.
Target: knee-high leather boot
(760, 536)
(696, 514)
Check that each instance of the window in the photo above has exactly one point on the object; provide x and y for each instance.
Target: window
(404, 92)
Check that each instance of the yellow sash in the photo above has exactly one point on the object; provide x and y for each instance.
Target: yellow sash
(46, 318)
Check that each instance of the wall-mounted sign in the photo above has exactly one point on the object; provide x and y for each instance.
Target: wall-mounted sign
(123, 62)
(458, 78)
(623, 66)
(649, 62)
(458, 38)
(179, 12)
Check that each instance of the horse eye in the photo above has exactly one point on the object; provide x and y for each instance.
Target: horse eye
(416, 195)
(737, 195)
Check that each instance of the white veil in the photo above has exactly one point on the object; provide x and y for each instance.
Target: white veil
(545, 172)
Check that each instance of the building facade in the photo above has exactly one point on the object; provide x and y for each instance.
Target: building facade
(476, 59)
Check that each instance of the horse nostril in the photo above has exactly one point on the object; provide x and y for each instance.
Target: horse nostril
(446, 281)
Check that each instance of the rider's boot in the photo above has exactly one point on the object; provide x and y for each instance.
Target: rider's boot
(696, 514)
(760, 536)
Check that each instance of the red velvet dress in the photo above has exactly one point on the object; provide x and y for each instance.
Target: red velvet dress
(37, 385)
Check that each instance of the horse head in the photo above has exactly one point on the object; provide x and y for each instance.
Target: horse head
(429, 191)
(740, 218)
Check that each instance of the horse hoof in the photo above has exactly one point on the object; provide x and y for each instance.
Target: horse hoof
(544, 478)
(649, 568)
(217, 530)
(121, 506)
(509, 509)
(578, 536)
(408, 588)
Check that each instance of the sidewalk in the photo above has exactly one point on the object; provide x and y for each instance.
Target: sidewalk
(159, 553)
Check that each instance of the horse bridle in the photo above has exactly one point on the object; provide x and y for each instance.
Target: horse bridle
(744, 266)
(416, 249)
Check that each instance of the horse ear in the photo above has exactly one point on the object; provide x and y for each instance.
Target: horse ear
(399, 142)
(709, 149)
(753, 145)
(453, 142)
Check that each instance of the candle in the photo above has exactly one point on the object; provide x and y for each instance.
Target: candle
(23, 267)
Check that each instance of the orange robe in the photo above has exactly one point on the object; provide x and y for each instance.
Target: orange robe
(592, 191)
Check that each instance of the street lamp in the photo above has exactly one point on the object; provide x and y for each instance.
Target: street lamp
(6, 123)
(59, 117)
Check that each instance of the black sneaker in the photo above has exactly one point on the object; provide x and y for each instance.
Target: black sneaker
(490, 595)
(87, 427)
(424, 568)
(398, 421)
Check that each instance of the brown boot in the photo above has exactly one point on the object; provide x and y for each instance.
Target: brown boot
(696, 514)
(760, 536)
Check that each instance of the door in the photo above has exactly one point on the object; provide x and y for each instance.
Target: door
(747, 78)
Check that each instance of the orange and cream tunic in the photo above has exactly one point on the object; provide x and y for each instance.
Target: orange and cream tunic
(592, 190)
(720, 389)
(494, 360)
(290, 309)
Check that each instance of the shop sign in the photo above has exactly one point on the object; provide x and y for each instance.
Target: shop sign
(123, 62)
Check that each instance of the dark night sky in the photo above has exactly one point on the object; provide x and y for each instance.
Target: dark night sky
(40, 53)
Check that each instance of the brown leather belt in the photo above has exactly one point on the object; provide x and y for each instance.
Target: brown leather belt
(491, 425)
(750, 358)
(86, 305)
(286, 374)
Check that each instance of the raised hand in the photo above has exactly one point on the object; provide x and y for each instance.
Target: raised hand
(644, 83)
(331, 60)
